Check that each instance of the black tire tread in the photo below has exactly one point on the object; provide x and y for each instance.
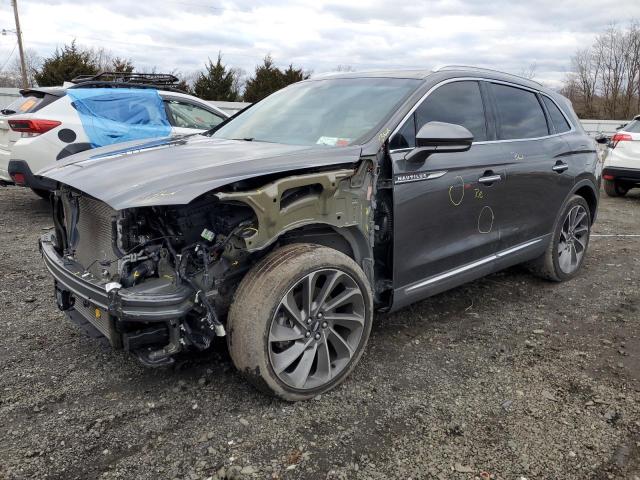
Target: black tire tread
(256, 298)
(544, 266)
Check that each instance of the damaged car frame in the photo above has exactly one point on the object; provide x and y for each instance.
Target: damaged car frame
(287, 226)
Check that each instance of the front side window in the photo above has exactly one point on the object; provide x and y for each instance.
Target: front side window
(459, 103)
(557, 118)
(331, 112)
(187, 115)
(520, 113)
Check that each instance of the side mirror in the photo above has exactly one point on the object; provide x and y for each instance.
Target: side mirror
(602, 139)
(440, 137)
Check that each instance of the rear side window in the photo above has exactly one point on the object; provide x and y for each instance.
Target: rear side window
(26, 104)
(557, 118)
(520, 113)
(459, 103)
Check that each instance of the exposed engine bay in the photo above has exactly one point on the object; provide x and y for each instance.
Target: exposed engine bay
(195, 255)
(199, 245)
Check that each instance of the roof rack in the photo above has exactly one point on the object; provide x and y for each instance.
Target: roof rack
(158, 79)
(164, 81)
(481, 69)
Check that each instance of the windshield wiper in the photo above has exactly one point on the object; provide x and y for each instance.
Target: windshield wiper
(7, 111)
(246, 139)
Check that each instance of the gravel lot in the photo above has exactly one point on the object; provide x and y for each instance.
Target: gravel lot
(504, 378)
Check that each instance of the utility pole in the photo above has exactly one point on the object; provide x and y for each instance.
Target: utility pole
(25, 83)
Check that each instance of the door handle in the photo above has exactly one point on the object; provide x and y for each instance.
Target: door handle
(560, 167)
(489, 179)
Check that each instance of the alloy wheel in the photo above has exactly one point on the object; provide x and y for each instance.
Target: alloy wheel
(317, 329)
(574, 237)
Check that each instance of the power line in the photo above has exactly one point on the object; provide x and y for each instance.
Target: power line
(9, 57)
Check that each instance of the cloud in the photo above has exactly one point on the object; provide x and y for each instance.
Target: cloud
(318, 36)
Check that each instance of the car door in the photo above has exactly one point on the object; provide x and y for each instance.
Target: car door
(187, 117)
(538, 174)
(445, 229)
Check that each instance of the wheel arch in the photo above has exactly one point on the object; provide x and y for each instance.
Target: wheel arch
(587, 190)
(348, 240)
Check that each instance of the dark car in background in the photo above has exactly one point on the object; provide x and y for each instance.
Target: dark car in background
(287, 226)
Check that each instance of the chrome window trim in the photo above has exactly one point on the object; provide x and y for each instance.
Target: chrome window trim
(470, 266)
(483, 142)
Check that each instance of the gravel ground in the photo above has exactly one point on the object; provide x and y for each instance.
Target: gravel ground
(508, 377)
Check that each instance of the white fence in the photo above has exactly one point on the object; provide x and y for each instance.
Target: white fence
(8, 95)
(608, 127)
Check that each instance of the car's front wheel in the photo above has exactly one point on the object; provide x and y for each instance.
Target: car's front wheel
(569, 242)
(300, 321)
(614, 188)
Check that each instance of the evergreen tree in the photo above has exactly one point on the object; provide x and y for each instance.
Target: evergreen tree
(268, 78)
(122, 65)
(66, 64)
(217, 82)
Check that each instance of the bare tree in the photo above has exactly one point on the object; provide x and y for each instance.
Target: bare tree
(605, 78)
(610, 48)
(11, 74)
(530, 71)
(586, 66)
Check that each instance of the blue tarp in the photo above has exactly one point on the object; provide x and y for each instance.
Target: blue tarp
(115, 115)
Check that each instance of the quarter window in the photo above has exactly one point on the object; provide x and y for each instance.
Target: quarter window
(520, 113)
(557, 118)
(406, 136)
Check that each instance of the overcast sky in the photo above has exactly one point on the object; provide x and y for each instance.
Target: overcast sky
(319, 35)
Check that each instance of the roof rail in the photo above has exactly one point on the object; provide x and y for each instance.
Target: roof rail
(157, 79)
(481, 69)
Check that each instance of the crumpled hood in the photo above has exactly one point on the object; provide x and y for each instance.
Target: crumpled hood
(176, 170)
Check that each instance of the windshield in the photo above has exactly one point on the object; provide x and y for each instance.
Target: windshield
(332, 112)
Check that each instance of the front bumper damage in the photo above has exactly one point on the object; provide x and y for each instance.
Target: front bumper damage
(155, 302)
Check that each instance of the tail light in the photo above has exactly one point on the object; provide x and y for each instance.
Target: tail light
(19, 178)
(33, 127)
(618, 137)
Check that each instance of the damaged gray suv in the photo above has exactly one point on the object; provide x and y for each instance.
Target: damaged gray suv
(286, 227)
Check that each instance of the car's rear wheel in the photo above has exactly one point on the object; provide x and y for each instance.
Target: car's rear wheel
(615, 189)
(569, 242)
(45, 194)
(300, 321)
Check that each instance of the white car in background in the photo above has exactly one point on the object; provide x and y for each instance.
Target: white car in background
(45, 125)
(621, 170)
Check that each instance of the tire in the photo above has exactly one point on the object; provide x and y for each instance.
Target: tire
(44, 194)
(614, 189)
(552, 265)
(327, 347)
